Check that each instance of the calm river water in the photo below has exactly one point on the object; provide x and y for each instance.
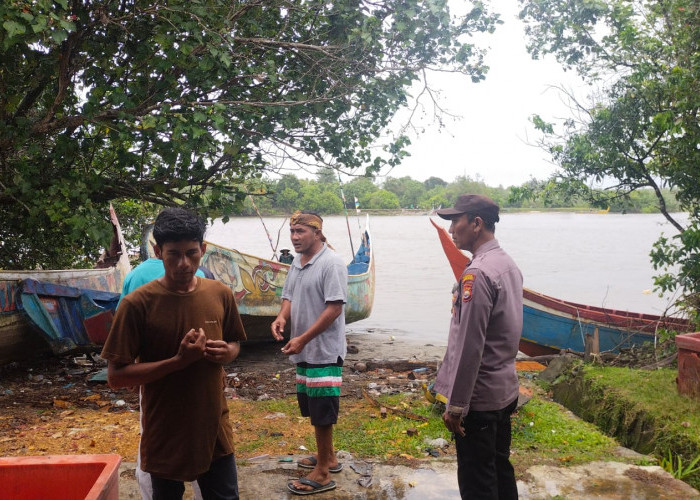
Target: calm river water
(597, 259)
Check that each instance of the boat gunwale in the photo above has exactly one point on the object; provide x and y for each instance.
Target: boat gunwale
(587, 312)
(599, 324)
(370, 264)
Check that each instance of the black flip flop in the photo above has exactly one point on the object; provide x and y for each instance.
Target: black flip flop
(312, 463)
(317, 487)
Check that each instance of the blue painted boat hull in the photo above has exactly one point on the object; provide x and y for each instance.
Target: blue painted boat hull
(18, 335)
(558, 332)
(69, 318)
(551, 325)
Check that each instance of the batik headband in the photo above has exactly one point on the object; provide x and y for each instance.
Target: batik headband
(310, 220)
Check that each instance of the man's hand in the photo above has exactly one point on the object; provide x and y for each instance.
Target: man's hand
(221, 352)
(191, 349)
(277, 328)
(294, 346)
(192, 346)
(453, 423)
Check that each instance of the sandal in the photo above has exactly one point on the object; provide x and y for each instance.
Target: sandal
(317, 487)
(312, 463)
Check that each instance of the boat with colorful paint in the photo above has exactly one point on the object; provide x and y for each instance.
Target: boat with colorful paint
(21, 337)
(257, 283)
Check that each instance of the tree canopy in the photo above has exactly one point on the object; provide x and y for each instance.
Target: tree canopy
(185, 102)
(283, 195)
(641, 131)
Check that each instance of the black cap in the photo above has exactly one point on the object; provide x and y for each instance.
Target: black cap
(284, 250)
(474, 205)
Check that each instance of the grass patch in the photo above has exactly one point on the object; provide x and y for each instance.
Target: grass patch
(544, 432)
(267, 427)
(275, 428)
(641, 408)
(655, 389)
(361, 431)
(676, 418)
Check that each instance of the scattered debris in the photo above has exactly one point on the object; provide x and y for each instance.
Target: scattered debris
(396, 411)
(364, 469)
(278, 414)
(436, 443)
(365, 481)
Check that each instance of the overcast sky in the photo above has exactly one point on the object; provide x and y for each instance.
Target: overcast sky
(490, 138)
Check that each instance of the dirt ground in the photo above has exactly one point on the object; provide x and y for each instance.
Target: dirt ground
(74, 382)
(62, 406)
(56, 405)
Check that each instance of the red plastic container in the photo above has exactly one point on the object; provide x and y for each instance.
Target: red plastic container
(60, 477)
(688, 380)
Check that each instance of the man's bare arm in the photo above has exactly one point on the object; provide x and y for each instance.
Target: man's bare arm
(324, 320)
(281, 320)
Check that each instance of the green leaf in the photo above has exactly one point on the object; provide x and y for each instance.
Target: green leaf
(59, 36)
(67, 25)
(14, 28)
(155, 100)
(149, 121)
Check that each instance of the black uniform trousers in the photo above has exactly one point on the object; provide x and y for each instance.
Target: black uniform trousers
(484, 471)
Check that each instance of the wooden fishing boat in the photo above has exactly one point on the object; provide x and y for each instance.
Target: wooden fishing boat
(69, 318)
(551, 325)
(257, 283)
(21, 337)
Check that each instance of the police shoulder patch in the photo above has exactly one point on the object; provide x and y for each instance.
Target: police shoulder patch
(467, 285)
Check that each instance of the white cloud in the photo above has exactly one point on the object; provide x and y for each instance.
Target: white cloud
(490, 138)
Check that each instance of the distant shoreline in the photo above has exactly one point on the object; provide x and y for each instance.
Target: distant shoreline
(419, 211)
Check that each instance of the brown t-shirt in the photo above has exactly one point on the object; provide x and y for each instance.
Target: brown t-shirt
(185, 415)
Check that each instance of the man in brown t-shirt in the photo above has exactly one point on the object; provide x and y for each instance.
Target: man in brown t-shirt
(181, 329)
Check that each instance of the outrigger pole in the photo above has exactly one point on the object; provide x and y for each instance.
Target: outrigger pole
(347, 220)
(269, 238)
(357, 213)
